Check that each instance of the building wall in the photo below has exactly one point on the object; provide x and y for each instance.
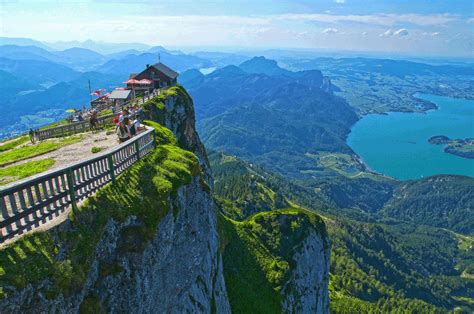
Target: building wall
(159, 79)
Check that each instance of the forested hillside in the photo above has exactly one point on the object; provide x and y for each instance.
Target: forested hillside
(374, 266)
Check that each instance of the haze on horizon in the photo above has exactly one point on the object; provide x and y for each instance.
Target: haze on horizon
(421, 27)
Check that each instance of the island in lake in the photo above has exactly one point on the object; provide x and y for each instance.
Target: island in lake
(459, 147)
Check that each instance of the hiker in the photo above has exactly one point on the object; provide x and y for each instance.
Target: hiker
(32, 135)
(135, 127)
(93, 121)
(123, 132)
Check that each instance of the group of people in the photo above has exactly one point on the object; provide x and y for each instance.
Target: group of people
(127, 123)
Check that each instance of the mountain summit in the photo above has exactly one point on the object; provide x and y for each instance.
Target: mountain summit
(263, 65)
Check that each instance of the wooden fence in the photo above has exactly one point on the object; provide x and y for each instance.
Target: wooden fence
(83, 126)
(29, 203)
(72, 128)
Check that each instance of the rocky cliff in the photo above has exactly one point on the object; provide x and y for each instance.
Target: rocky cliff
(155, 241)
(156, 249)
(276, 262)
(306, 288)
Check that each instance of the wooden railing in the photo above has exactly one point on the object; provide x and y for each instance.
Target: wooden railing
(72, 128)
(30, 203)
(83, 126)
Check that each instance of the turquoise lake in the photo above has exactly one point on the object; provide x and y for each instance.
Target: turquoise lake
(397, 144)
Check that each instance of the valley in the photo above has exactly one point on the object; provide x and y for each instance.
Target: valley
(285, 143)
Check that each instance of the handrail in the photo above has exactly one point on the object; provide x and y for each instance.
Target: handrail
(79, 127)
(31, 202)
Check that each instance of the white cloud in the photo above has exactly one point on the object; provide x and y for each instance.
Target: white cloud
(431, 34)
(365, 33)
(401, 32)
(330, 31)
(340, 1)
(392, 33)
(387, 33)
(374, 19)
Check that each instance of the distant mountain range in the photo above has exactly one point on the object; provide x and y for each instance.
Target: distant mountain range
(257, 109)
(37, 79)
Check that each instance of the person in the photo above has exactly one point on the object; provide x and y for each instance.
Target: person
(32, 135)
(93, 121)
(135, 126)
(123, 132)
(136, 123)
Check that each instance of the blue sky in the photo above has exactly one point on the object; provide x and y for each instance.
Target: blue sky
(414, 27)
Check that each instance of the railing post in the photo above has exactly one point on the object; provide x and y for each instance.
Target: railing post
(111, 167)
(72, 193)
(137, 150)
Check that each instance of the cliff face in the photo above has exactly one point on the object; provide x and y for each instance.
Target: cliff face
(137, 266)
(307, 288)
(151, 243)
(276, 262)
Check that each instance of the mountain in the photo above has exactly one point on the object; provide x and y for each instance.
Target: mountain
(263, 66)
(256, 115)
(77, 58)
(28, 53)
(60, 96)
(191, 76)
(11, 84)
(81, 58)
(98, 46)
(136, 63)
(122, 54)
(440, 201)
(375, 267)
(221, 59)
(382, 85)
(130, 243)
(38, 72)
(16, 41)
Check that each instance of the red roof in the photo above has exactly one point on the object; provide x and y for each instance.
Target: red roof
(131, 81)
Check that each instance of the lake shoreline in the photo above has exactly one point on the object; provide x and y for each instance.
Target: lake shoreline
(395, 144)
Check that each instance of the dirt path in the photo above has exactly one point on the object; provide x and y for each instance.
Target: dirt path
(81, 150)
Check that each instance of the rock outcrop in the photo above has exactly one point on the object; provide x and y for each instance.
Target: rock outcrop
(150, 243)
(178, 269)
(307, 288)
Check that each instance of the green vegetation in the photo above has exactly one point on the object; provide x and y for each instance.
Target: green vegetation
(142, 191)
(382, 85)
(257, 255)
(379, 267)
(13, 143)
(440, 201)
(29, 151)
(96, 149)
(459, 147)
(17, 172)
(343, 164)
(54, 124)
(375, 267)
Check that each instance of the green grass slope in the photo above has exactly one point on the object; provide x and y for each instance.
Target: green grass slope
(142, 191)
(375, 267)
(440, 201)
(257, 255)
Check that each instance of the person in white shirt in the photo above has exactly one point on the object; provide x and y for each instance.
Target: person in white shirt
(123, 132)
